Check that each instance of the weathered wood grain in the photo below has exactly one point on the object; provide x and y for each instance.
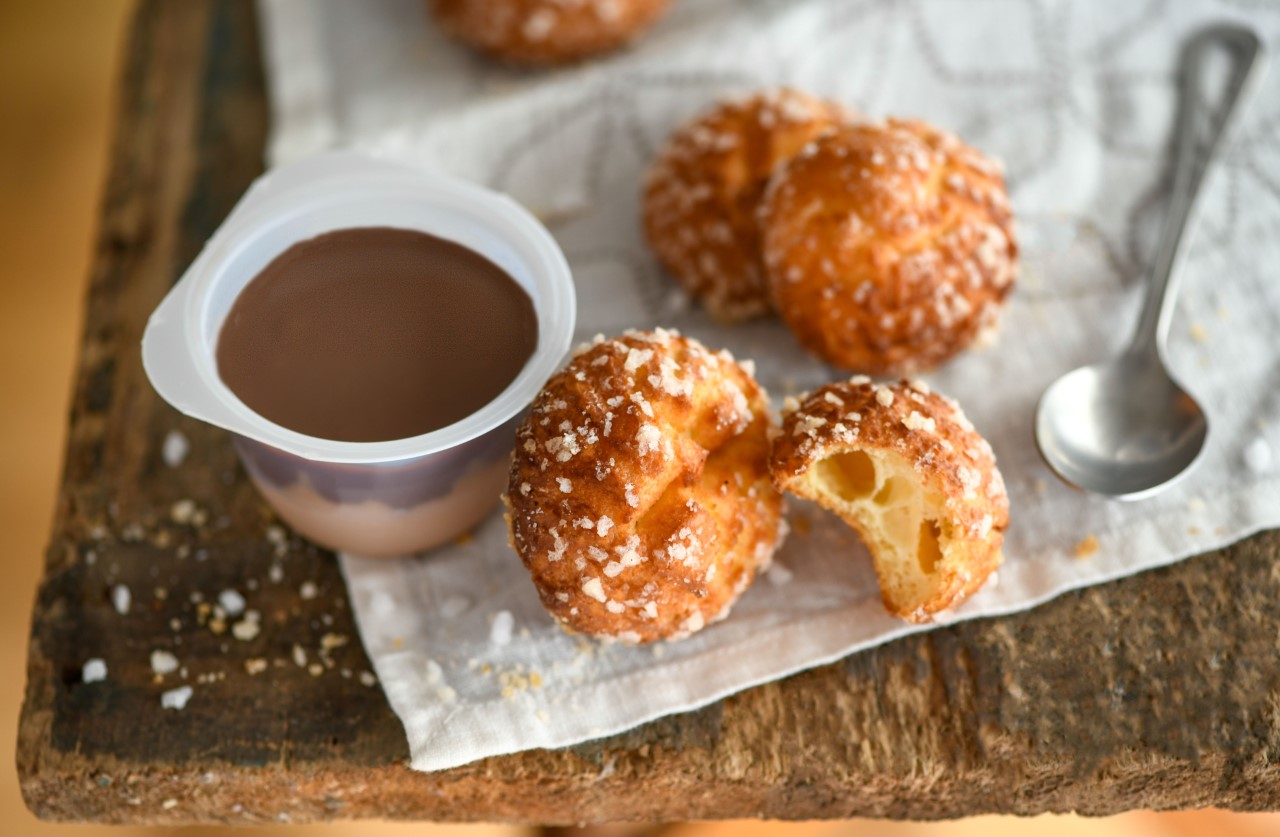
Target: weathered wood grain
(1159, 691)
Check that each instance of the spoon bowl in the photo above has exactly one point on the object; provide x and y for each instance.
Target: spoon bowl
(1122, 428)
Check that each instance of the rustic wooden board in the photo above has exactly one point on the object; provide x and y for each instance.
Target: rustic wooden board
(1159, 691)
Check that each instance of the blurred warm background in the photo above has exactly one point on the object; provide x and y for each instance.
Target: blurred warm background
(58, 64)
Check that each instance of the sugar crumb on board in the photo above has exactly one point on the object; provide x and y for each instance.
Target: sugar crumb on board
(176, 698)
(163, 662)
(279, 540)
(232, 602)
(94, 670)
(121, 599)
(183, 512)
(248, 628)
(175, 448)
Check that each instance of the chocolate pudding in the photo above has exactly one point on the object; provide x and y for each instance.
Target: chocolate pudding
(372, 334)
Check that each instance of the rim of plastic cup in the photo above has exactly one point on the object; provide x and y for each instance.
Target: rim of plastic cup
(354, 177)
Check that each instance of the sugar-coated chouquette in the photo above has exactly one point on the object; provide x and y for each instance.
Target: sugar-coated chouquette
(889, 246)
(640, 498)
(906, 469)
(702, 194)
(545, 32)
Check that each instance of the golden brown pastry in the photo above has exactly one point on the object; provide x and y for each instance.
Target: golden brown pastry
(703, 192)
(640, 497)
(906, 469)
(889, 247)
(545, 32)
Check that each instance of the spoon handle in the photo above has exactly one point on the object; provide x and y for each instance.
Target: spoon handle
(1194, 155)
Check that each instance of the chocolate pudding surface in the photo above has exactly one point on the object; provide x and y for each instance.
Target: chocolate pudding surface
(371, 334)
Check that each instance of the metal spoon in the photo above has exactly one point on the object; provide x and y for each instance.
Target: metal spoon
(1124, 427)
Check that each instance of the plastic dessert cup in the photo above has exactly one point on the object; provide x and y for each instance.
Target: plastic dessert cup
(366, 498)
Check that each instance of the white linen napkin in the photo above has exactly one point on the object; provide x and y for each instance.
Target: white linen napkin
(1076, 98)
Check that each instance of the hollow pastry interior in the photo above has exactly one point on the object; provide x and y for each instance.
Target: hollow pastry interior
(902, 520)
